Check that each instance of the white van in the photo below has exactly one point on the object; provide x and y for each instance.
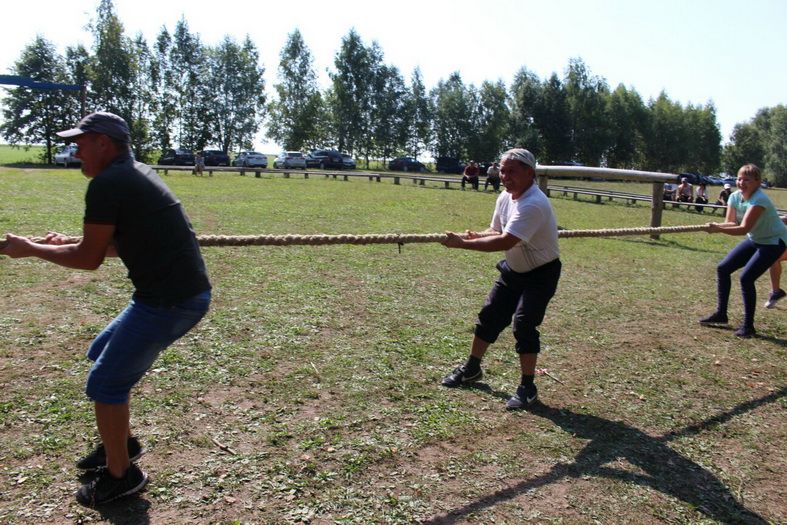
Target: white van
(67, 156)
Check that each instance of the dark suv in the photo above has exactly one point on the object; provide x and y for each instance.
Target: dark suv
(176, 157)
(406, 164)
(449, 165)
(325, 158)
(215, 157)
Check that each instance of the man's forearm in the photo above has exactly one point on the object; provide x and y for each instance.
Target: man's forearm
(67, 255)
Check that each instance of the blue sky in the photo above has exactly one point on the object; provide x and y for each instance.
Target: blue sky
(730, 53)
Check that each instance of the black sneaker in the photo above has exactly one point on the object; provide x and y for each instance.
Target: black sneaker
(774, 297)
(460, 376)
(98, 458)
(106, 488)
(524, 396)
(715, 318)
(745, 332)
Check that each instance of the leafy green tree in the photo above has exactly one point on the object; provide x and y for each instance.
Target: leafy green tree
(666, 146)
(297, 114)
(352, 83)
(141, 112)
(453, 117)
(33, 116)
(627, 118)
(554, 125)
(703, 139)
(418, 111)
(775, 145)
(186, 81)
(682, 139)
(387, 119)
(112, 68)
(526, 93)
(119, 72)
(586, 96)
(492, 120)
(238, 89)
(78, 64)
(761, 141)
(163, 99)
(745, 146)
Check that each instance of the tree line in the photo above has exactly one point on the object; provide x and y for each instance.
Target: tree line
(180, 92)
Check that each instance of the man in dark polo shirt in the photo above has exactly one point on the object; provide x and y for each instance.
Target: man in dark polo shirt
(129, 213)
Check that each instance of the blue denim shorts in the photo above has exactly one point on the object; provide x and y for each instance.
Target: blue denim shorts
(127, 347)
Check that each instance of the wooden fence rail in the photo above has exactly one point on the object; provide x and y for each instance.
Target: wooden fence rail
(544, 173)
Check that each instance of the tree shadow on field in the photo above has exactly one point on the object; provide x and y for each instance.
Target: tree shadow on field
(663, 469)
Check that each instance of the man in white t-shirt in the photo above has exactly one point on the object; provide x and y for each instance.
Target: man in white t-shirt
(524, 226)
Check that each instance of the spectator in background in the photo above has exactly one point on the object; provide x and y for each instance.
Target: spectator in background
(471, 175)
(724, 195)
(685, 191)
(701, 197)
(199, 164)
(493, 177)
(669, 192)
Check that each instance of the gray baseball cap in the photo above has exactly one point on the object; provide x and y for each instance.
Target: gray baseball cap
(100, 122)
(522, 155)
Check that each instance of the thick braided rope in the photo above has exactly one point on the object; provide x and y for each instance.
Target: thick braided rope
(632, 231)
(399, 238)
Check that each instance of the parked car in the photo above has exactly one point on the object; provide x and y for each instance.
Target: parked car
(324, 158)
(215, 157)
(251, 159)
(176, 157)
(290, 159)
(406, 164)
(348, 161)
(67, 156)
(449, 165)
(694, 178)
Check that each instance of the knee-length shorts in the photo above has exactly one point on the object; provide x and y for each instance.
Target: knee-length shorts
(127, 347)
(521, 298)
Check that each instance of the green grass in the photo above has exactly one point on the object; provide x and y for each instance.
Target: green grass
(319, 367)
(13, 155)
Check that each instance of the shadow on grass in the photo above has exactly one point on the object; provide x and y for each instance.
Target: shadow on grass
(35, 165)
(669, 244)
(780, 341)
(131, 510)
(664, 469)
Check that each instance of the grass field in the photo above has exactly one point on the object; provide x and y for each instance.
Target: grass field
(310, 393)
(11, 155)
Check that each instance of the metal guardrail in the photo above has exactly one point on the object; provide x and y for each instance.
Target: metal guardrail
(633, 197)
